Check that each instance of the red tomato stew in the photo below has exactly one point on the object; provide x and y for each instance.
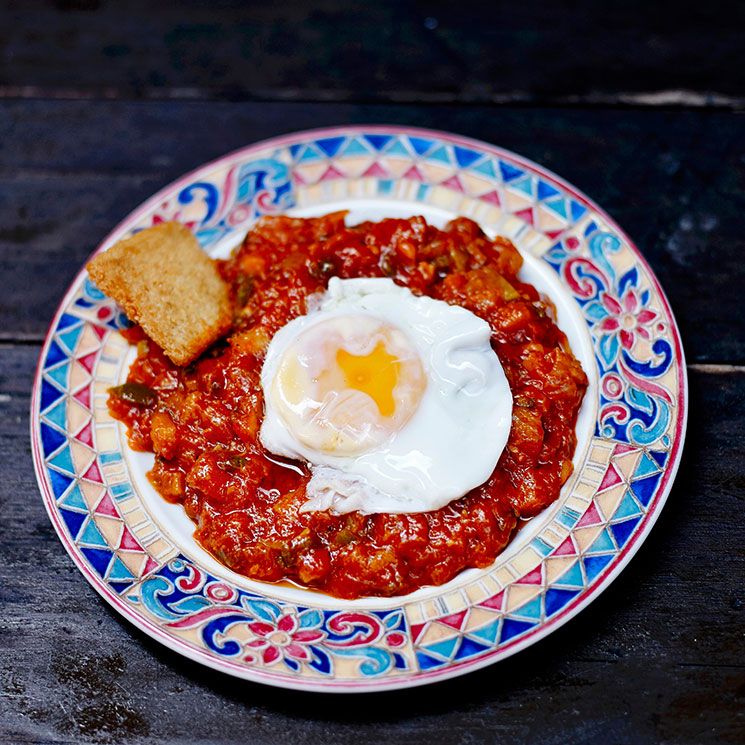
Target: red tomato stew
(202, 422)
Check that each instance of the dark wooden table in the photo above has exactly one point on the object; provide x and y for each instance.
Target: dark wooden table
(102, 103)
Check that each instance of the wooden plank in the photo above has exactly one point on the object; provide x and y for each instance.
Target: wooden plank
(388, 50)
(658, 657)
(69, 171)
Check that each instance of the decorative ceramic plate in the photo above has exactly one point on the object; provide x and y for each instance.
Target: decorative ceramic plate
(138, 551)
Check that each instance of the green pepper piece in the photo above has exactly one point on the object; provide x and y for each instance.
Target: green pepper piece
(136, 394)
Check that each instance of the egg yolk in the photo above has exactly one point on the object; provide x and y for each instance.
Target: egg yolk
(347, 384)
(375, 374)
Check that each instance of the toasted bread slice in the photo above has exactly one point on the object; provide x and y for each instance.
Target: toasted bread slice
(167, 284)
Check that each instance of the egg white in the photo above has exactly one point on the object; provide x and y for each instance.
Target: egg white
(452, 442)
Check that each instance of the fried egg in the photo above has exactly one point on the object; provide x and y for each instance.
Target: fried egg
(396, 402)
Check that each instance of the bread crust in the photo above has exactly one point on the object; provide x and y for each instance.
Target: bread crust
(167, 284)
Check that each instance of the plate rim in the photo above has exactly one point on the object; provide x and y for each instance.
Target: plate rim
(455, 669)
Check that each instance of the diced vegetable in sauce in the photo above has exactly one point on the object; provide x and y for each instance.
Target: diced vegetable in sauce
(136, 394)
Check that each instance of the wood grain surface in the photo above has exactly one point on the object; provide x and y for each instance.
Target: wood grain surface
(580, 52)
(103, 103)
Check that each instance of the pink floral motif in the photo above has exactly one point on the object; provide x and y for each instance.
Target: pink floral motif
(626, 317)
(395, 639)
(283, 639)
(220, 592)
(173, 216)
(239, 214)
(169, 211)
